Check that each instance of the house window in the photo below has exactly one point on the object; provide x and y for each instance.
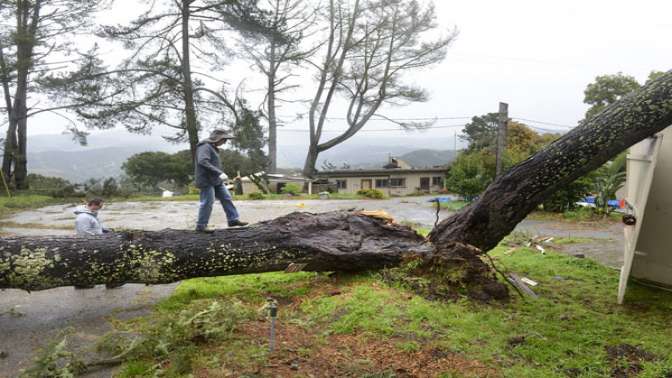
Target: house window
(382, 183)
(398, 183)
(341, 184)
(437, 181)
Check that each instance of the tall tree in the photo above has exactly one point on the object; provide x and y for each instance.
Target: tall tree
(370, 45)
(607, 89)
(475, 168)
(37, 42)
(152, 168)
(276, 56)
(249, 142)
(171, 78)
(481, 132)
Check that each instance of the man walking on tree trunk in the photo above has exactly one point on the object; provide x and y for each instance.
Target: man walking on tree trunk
(210, 180)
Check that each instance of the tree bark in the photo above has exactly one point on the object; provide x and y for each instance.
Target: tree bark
(512, 196)
(309, 169)
(10, 140)
(272, 118)
(27, 24)
(9, 152)
(191, 120)
(336, 241)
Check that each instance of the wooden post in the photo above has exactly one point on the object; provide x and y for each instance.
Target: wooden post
(501, 136)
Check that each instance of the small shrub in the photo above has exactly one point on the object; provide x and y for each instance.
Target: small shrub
(292, 188)
(192, 189)
(55, 360)
(565, 198)
(176, 336)
(371, 193)
(66, 192)
(582, 214)
(256, 196)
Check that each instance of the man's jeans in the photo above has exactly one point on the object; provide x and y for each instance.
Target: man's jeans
(208, 195)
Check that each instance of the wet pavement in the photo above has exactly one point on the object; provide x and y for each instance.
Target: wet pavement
(29, 321)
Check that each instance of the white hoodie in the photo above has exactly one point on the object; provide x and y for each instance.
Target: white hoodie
(87, 222)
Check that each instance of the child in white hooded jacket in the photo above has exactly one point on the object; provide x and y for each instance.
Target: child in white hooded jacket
(87, 222)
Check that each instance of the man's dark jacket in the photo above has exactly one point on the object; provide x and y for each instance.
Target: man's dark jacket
(208, 165)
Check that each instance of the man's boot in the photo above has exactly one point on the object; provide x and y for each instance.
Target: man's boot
(237, 223)
(203, 229)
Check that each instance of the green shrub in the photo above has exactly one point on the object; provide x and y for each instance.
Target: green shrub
(292, 188)
(371, 193)
(66, 192)
(256, 196)
(23, 201)
(469, 174)
(192, 189)
(54, 186)
(566, 197)
(176, 336)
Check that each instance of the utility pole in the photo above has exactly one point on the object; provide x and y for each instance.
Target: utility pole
(502, 121)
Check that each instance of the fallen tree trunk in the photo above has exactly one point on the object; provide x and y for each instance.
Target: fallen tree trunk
(336, 241)
(512, 196)
(342, 241)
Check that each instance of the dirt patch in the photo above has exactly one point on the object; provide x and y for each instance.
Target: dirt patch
(626, 359)
(301, 352)
(310, 351)
(454, 271)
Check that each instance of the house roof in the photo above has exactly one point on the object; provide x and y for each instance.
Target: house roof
(379, 172)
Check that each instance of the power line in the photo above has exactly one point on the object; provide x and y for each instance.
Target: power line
(377, 130)
(393, 118)
(438, 118)
(561, 128)
(554, 131)
(544, 123)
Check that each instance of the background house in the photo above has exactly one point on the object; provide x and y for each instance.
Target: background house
(396, 178)
(274, 181)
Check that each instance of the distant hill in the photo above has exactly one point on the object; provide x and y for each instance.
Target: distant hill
(79, 166)
(428, 158)
(107, 139)
(58, 155)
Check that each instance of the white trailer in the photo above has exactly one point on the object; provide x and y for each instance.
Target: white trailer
(648, 242)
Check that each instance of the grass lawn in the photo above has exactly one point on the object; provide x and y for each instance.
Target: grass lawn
(578, 215)
(358, 326)
(452, 205)
(9, 205)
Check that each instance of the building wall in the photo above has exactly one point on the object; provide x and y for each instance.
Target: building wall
(250, 187)
(653, 258)
(275, 186)
(412, 183)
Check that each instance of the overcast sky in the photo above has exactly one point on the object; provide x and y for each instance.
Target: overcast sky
(537, 56)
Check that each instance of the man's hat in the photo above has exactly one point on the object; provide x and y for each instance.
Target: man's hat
(219, 134)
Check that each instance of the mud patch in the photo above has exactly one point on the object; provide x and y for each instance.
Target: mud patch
(626, 360)
(454, 271)
(303, 353)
